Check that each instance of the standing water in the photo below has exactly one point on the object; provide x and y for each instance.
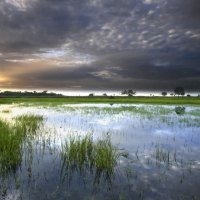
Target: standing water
(99, 151)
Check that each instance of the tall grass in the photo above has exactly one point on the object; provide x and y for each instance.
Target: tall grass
(10, 148)
(12, 137)
(82, 154)
(27, 124)
(105, 157)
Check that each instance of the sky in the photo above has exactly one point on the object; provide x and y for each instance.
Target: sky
(100, 44)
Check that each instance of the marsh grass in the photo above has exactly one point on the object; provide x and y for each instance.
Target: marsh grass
(180, 110)
(190, 122)
(12, 137)
(195, 112)
(6, 111)
(28, 123)
(83, 155)
(10, 148)
(162, 155)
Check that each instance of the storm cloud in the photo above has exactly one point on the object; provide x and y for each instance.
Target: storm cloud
(100, 44)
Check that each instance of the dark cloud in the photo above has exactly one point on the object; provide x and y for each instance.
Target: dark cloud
(100, 43)
(190, 9)
(63, 74)
(43, 24)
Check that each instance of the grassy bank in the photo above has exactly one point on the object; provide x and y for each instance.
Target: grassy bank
(110, 100)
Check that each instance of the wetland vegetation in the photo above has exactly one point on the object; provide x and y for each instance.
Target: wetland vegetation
(99, 151)
(103, 99)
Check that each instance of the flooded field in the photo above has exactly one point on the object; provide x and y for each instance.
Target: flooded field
(99, 151)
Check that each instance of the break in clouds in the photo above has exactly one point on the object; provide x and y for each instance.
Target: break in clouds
(100, 44)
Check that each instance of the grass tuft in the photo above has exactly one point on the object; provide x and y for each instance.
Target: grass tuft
(28, 123)
(82, 153)
(12, 137)
(6, 111)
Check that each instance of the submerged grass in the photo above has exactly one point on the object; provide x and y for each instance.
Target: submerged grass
(195, 112)
(12, 137)
(162, 155)
(82, 153)
(147, 111)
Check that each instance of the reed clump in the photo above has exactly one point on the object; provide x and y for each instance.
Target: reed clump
(12, 137)
(6, 111)
(83, 154)
(10, 148)
(28, 123)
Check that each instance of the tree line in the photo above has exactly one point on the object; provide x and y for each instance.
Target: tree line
(178, 91)
(29, 94)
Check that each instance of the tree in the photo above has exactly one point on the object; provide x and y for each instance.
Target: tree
(128, 92)
(179, 91)
(131, 92)
(91, 94)
(105, 95)
(124, 92)
(164, 94)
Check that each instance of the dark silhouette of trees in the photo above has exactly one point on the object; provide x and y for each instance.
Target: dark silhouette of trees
(91, 95)
(124, 92)
(128, 92)
(179, 91)
(131, 92)
(164, 94)
(28, 94)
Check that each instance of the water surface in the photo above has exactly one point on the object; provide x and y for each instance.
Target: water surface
(161, 146)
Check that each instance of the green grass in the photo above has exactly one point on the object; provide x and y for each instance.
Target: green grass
(69, 100)
(10, 148)
(28, 123)
(6, 111)
(195, 112)
(83, 154)
(12, 137)
(142, 110)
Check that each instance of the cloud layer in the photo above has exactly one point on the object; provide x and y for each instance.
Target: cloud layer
(100, 44)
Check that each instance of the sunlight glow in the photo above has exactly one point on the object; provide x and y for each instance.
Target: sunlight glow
(2, 79)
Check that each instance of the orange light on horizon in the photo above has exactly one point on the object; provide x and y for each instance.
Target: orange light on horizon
(2, 79)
